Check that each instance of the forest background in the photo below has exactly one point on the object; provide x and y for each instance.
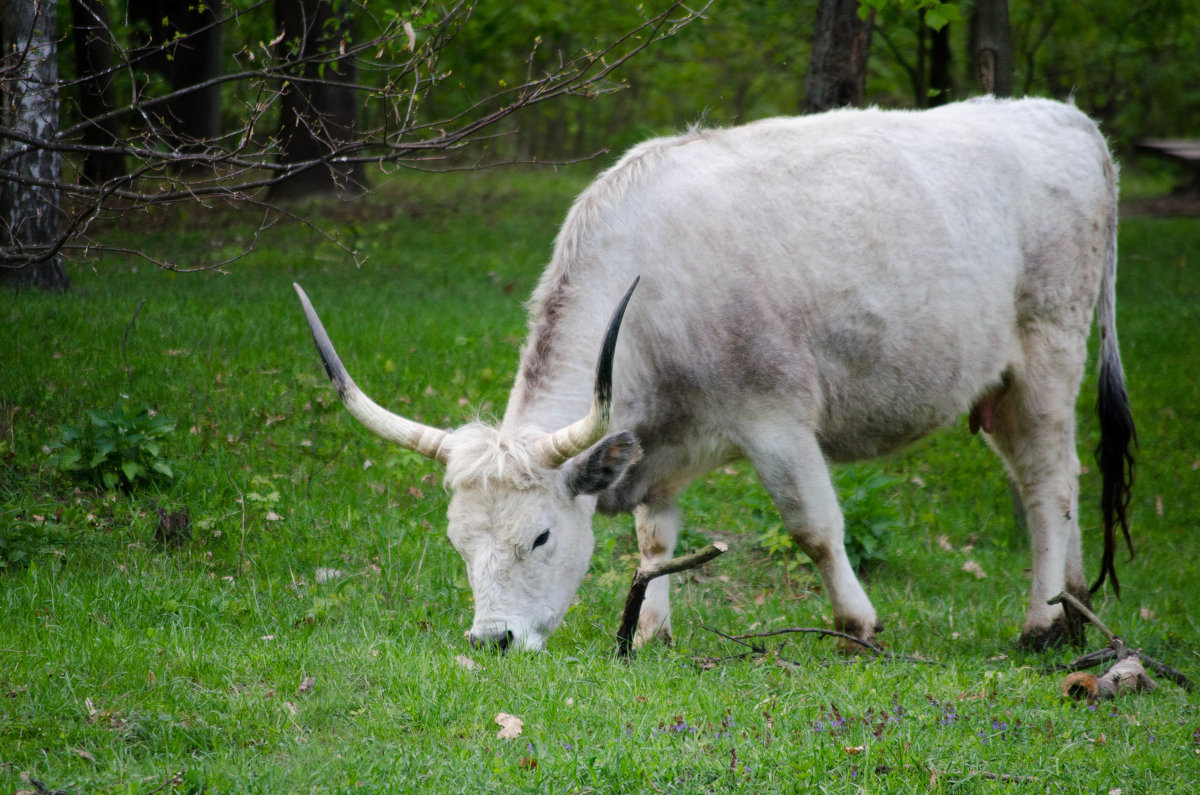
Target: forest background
(114, 108)
(260, 597)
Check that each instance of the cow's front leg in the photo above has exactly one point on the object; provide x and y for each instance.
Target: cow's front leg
(657, 531)
(792, 467)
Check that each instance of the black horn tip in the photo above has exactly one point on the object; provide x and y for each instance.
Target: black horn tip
(333, 364)
(604, 365)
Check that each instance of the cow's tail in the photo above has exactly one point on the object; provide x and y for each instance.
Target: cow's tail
(1114, 455)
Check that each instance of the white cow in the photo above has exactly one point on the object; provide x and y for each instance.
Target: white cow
(813, 290)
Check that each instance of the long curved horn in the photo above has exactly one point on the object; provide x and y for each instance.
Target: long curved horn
(421, 438)
(553, 449)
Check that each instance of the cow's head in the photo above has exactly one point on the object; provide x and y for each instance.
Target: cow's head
(521, 505)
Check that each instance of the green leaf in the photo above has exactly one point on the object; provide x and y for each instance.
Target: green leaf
(68, 458)
(940, 15)
(110, 480)
(69, 433)
(132, 470)
(163, 468)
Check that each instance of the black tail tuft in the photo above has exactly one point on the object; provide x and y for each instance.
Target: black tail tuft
(1114, 455)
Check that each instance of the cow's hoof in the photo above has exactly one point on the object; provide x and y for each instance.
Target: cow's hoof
(856, 628)
(660, 633)
(1062, 632)
(1068, 629)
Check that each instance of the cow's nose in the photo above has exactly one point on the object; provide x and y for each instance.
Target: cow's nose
(501, 641)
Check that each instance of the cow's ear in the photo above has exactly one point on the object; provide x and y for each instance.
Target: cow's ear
(602, 464)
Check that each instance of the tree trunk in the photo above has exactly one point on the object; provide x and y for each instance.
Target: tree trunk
(941, 83)
(837, 73)
(318, 112)
(182, 42)
(93, 62)
(992, 47)
(195, 116)
(30, 211)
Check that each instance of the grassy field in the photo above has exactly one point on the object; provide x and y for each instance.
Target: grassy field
(308, 634)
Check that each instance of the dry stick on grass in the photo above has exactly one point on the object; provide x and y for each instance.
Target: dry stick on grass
(642, 578)
(833, 633)
(125, 338)
(1116, 649)
(242, 546)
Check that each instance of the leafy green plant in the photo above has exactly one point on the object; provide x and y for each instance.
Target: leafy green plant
(20, 541)
(114, 447)
(865, 496)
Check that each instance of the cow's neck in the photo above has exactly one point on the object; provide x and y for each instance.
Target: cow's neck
(556, 377)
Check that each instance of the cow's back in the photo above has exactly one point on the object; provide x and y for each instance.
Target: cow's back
(869, 269)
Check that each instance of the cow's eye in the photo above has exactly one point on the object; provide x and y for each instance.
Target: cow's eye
(541, 539)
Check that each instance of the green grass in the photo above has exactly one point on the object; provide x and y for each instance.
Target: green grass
(123, 662)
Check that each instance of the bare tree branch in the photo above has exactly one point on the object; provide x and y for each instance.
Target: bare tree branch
(398, 68)
(642, 578)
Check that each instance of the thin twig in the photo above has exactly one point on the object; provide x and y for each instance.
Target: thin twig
(242, 502)
(128, 328)
(876, 650)
(757, 649)
(173, 780)
(1070, 599)
(833, 633)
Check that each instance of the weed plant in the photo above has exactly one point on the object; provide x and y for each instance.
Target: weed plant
(114, 447)
(309, 635)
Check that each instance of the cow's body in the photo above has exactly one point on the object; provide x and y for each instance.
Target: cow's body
(816, 289)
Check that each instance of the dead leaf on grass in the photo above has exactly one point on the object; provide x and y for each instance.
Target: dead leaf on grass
(85, 755)
(323, 576)
(307, 684)
(971, 567)
(510, 726)
(944, 543)
(467, 662)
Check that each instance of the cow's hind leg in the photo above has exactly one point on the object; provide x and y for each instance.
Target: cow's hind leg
(1035, 434)
(657, 531)
(792, 468)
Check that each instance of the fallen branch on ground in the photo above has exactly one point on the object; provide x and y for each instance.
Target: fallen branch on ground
(832, 633)
(847, 639)
(642, 578)
(1126, 676)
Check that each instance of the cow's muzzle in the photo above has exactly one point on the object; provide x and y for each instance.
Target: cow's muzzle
(499, 641)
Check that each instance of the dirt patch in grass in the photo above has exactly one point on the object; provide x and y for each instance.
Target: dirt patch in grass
(1183, 204)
